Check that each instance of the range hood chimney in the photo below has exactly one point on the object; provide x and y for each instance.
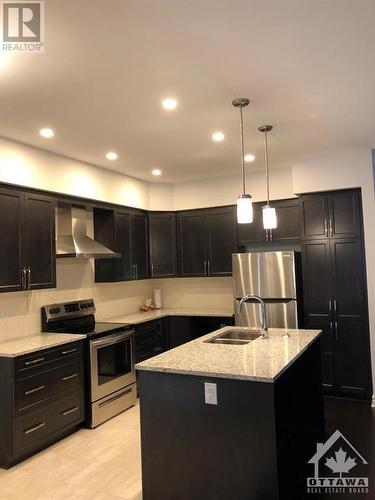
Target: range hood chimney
(72, 239)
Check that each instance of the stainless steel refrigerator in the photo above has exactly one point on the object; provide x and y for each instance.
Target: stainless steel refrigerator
(271, 276)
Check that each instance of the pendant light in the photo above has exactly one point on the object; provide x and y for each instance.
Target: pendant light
(244, 201)
(269, 213)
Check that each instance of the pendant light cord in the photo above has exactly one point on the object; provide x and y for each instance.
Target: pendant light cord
(267, 173)
(242, 154)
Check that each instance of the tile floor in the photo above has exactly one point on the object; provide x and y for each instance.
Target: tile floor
(99, 464)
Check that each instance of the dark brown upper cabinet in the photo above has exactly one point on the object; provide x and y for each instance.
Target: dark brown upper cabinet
(288, 225)
(162, 243)
(206, 240)
(124, 231)
(27, 251)
(331, 215)
(253, 233)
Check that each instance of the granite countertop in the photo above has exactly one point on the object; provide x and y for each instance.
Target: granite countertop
(143, 316)
(17, 346)
(263, 359)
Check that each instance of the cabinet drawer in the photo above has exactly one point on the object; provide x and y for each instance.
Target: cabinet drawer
(40, 387)
(31, 362)
(31, 430)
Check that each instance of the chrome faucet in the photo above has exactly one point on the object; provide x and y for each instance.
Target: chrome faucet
(264, 319)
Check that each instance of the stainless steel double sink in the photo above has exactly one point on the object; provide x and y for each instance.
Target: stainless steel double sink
(235, 336)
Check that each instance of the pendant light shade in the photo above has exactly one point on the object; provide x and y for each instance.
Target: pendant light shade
(269, 217)
(269, 213)
(244, 209)
(244, 201)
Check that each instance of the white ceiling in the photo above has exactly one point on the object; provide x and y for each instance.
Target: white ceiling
(306, 65)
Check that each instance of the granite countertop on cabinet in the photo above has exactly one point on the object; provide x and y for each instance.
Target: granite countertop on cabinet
(26, 344)
(143, 316)
(263, 359)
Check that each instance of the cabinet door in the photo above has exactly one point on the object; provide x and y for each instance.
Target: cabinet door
(344, 214)
(352, 362)
(139, 246)
(123, 269)
(162, 240)
(192, 244)
(11, 230)
(39, 242)
(104, 232)
(316, 295)
(222, 240)
(179, 330)
(254, 233)
(288, 224)
(314, 216)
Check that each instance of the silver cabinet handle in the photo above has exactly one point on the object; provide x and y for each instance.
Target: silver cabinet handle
(68, 412)
(330, 305)
(33, 429)
(23, 278)
(325, 226)
(330, 227)
(335, 306)
(28, 278)
(336, 331)
(209, 267)
(39, 360)
(136, 271)
(205, 268)
(331, 328)
(69, 351)
(69, 377)
(152, 269)
(36, 389)
(266, 235)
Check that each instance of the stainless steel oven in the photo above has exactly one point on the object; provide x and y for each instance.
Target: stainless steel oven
(112, 370)
(110, 355)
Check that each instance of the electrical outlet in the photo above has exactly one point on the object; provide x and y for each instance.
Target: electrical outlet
(210, 393)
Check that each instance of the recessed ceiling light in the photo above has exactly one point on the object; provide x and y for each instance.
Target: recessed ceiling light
(248, 158)
(111, 155)
(46, 132)
(169, 103)
(218, 136)
(156, 171)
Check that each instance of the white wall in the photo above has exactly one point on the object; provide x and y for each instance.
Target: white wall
(225, 190)
(185, 293)
(27, 166)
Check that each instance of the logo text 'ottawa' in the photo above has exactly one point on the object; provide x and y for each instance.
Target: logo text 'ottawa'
(334, 463)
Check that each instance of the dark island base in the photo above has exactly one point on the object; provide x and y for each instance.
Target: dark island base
(245, 448)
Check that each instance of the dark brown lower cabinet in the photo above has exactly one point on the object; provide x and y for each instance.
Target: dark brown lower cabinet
(156, 336)
(248, 446)
(41, 400)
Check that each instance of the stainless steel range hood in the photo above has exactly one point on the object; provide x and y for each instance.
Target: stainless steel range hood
(72, 239)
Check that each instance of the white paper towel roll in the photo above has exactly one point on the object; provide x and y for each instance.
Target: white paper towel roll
(157, 298)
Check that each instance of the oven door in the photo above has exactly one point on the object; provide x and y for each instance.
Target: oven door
(111, 363)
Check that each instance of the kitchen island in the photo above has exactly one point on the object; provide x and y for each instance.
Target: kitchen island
(221, 420)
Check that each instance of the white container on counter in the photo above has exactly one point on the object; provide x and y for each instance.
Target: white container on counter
(157, 298)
